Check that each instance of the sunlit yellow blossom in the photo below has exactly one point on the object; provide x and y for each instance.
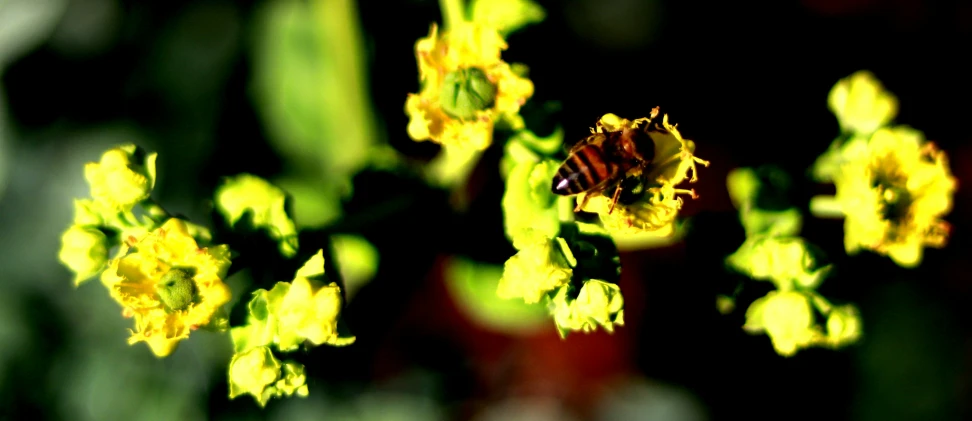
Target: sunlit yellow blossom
(673, 162)
(123, 177)
(170, 286)
(307, 310)
(247, 194)
(258, 373)
(251, 372)
(787, 317)
(893, 197)
(538, 268)
(785, 261)
(597, 303)
(843, 325)
(466, 87)
(84, 250)
(861, 104)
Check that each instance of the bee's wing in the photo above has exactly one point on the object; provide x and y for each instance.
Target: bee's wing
(596, 139)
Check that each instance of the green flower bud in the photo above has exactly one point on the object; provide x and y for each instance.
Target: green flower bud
(176, 289)
(84, 250)
(466, 91)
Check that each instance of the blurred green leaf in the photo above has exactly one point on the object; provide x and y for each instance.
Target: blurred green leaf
(311, 90)
(357, 260)
(473, 286)
(507, 16)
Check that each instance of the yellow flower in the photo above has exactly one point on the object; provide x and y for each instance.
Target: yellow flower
(658, 206)
(307, 310)
(466, 87)
(540, 266)
(893, 197)
(787, 317)
(843, 326)
(170, 286)
(258, 373)
(123, 177)
(247, 194)
(84, 250)
(785, 261)
(861, 104)
(597, 303)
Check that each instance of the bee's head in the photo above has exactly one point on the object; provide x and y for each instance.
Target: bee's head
(636, 142)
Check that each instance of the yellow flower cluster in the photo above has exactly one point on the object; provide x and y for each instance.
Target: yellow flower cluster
(544, 268)
(672, 163)
(786, 315)
(893, 187)
(774, 252)
(466, 87)
(304, 311)
(162, 277)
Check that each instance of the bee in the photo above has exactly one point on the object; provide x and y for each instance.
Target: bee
(604, 160)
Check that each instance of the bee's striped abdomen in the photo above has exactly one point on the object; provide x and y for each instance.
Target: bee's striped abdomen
(583, 170)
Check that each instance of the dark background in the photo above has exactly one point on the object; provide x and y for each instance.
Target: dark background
(747, 81)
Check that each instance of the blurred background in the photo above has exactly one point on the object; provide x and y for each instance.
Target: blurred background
(314, 101)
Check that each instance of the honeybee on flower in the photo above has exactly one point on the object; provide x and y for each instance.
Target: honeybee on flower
(651, 153)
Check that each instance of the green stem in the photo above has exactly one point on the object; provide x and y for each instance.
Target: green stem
(453, 12)
(825, 207)
(155, 210)
(821, 303)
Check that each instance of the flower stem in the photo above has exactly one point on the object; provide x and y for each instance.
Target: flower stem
(825, 207)
(154, 210)
(453, 12)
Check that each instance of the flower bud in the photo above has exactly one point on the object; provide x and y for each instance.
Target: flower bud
(843, 325)
(122, 178)
(861, 103)
(84, 250)
(466, 91)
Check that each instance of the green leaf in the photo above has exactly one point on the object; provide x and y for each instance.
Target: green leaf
(473, 286)
(357, 260)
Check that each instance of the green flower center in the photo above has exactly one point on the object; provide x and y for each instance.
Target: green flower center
(895, 198)
(176, 289)
(466, 91)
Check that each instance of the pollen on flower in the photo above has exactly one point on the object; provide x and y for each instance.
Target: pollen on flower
(656, 204)
(894, 196)
(169, 288)
(466, 87)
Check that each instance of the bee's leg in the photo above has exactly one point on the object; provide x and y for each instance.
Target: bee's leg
(614, 199)
(582, 202)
